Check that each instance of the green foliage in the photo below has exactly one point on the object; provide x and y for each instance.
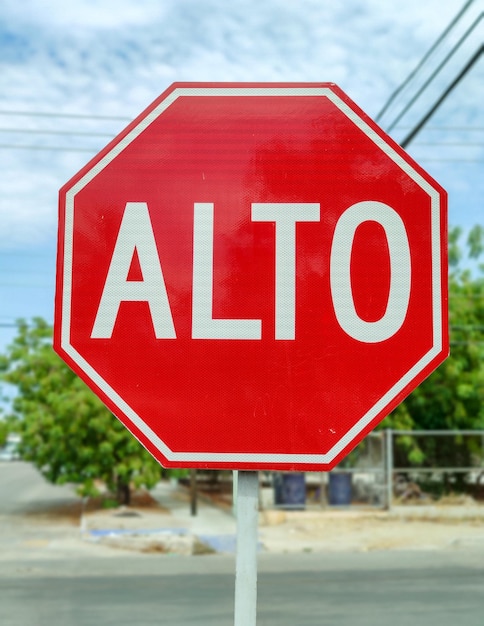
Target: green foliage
(72, 438)
(475, 241)
(453, 396)
(66, 430)
(3, 432)
(8, 425)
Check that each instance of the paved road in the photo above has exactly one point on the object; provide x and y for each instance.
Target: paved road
(50, 586)
(23, 490)
(379, 589)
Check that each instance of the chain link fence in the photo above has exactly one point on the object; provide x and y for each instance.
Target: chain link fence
(389, 467)
(433, 465)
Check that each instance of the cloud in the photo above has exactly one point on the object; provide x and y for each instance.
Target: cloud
(58, 15)
(105, 57)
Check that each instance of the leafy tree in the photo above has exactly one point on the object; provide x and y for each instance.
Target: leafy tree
(4, 430)
(66, 431)
(453, 396)
(7, 427)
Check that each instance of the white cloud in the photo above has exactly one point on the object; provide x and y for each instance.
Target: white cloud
(58, 15)
(114, 57)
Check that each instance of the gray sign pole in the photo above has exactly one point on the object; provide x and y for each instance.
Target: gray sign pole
(246, 556)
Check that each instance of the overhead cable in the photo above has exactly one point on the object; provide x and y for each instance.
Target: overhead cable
(38, 131)
(424, 59)
(434, 73)
(418, 127)
(66, 115)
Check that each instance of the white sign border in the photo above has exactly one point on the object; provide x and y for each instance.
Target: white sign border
(254, 459)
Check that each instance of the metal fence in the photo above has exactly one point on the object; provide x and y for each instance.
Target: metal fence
(389, 467)
(431, 464)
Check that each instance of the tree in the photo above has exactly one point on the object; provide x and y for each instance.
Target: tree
(7, 427)
(4, 430)
(66, 431)
(453, 396)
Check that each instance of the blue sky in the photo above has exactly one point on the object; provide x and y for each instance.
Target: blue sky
(72, 75)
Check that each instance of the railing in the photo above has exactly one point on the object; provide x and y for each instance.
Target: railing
(389, 466)
(464, 449)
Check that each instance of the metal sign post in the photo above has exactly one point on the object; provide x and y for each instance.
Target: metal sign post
(246, 556)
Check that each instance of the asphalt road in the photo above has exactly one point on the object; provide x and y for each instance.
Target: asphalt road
(23, 490)
(381, 588)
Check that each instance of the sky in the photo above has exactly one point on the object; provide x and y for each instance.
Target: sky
(74, 74)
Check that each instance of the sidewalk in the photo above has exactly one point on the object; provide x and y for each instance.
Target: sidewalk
(172, 529)
(169, 528)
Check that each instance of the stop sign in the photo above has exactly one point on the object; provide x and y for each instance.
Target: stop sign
(252, 276)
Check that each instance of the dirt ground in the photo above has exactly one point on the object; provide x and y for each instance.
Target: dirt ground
(453, 523)
(458, 525)
(71, 528)
(365, 530)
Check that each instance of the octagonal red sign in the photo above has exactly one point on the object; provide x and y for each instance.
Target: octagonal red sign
(252, 276)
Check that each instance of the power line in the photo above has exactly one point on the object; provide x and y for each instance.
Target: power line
(42, 255)
(434, 73)
(27, 285)
(470, 129)
(95, 149)
(451, 87)
(66, 115)
(97, 134)
(400, 88)
(462, 144)
(4, 146)
(110, 135)
(36, 131)
(431, 160)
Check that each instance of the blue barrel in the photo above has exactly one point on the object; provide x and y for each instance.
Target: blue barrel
(340, 489)
(290, 490)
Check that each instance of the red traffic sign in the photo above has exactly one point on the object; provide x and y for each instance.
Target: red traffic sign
(252, 276)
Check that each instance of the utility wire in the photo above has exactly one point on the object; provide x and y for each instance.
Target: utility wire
(37, 131)
(462, 144)
(97, 134)
(96, 150)
(66, 115)
(456, 160)
(451, 87)
(434, 73)
(76, 133)
(5, 146)
(423, 60)
(442, 128)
